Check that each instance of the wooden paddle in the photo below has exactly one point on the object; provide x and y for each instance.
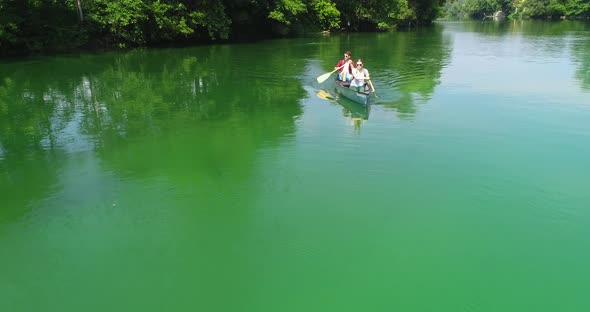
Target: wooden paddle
(325, 76)
(372, 88)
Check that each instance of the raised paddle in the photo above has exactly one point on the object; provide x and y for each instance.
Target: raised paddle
(325, 76)
(372, 88)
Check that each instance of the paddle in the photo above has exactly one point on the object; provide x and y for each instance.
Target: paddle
(372, 88)
(324, 95)
(325, 76)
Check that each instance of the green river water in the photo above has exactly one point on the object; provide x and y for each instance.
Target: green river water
(225, 178)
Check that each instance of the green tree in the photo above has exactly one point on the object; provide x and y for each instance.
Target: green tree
(45, 25)
(286, 11)
(577, 8)
(374, 14)
(139, 22)
(33, 25)
(327, 13)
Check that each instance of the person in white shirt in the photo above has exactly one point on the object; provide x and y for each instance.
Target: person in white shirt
(360, 75)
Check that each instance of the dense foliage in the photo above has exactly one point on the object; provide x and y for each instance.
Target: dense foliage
(36, 25)
(519, 8)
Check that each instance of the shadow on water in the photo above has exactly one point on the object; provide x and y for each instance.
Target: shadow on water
(351, 109)
(142, 113)
(356, 113)
(580, 49)
(354, 110)
(409, 66)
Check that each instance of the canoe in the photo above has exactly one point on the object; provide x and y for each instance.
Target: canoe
(358, 97)
(352, 109)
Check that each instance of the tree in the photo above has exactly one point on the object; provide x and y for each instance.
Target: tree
(327, 14)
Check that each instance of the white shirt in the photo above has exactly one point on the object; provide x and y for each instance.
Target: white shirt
(359, 77)
(345, 71)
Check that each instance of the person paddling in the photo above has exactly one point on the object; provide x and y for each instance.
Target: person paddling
(360, 75)
(345, 73)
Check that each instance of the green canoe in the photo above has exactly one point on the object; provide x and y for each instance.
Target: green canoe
(358, 97)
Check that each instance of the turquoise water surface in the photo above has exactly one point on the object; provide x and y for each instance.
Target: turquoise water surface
(225, 178)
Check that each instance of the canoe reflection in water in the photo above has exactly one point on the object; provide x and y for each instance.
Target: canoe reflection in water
(355, 111)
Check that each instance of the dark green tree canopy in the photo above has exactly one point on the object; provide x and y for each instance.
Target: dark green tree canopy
(43, 25)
